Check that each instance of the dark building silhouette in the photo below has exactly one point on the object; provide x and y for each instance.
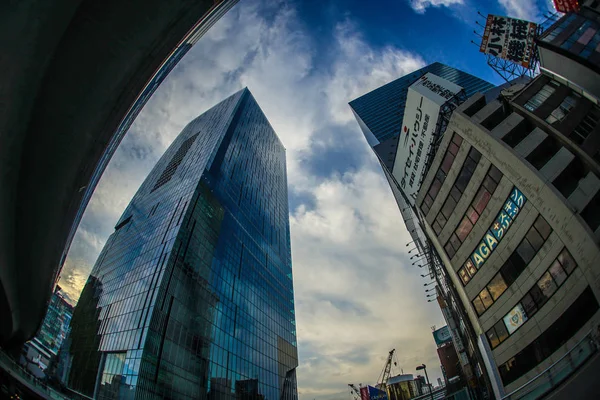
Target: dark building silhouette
(75, 75)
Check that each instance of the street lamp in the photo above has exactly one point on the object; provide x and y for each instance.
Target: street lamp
(430, 283)
(424, 368)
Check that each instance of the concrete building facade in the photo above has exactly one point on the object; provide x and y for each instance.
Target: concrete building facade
(520, 240)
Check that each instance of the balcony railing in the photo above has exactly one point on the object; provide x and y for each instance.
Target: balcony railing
(558, 372)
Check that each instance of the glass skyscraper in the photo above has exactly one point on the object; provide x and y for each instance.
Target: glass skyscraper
(55, 326)
(192, 295)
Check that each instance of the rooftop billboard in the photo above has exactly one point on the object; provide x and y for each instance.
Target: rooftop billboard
(565, 6)
(509, 38)
(423, 102)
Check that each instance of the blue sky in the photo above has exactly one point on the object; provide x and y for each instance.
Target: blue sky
(357, 295)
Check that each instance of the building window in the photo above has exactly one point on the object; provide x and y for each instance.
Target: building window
(561, 26)
(541, 96)
(591, 212)
(582, 36)
(492, 237)
(441, 173)
(586, 126)
(516, 263)
(535, 298)
(463, 179)
(566, 182)
(563, 329)
(518, 133)
(560, 112)
(543, 152)
(174, 163)
(591, 47)
(475, 209)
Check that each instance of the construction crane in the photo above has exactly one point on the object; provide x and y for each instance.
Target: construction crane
(354, 390)
(386, 372)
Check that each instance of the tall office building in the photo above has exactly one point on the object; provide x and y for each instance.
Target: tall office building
(192, 295)
(421, 104)
(380, 113)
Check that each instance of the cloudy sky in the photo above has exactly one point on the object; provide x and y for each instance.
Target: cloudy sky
(357, 295)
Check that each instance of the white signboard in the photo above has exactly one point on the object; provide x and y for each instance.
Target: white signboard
(515, 318)
(509, 38)
(423, 102)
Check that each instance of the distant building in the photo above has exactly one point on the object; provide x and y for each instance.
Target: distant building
(41, 352)
(192, 296)
(402, 387)
(447, 353)
(56, 324)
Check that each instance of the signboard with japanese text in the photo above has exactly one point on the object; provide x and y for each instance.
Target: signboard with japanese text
(423, 102)
(565, 6)
(442, 335)
(510, 209)
(509, 38)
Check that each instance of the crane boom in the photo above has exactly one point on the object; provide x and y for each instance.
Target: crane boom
(387, 369)
(354, 391)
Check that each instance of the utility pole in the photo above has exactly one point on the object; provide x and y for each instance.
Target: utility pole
(424, 368)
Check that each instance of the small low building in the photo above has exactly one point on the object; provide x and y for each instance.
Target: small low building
(402, 387)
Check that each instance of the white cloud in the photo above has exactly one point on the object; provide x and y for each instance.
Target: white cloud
(356, 296)
(360, 69)
(521, 9)
(420, 6)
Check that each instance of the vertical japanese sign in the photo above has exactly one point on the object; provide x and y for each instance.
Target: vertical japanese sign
(565, 6)
(424, 99)
(509, 38)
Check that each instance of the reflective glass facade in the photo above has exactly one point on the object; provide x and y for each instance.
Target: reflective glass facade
(56, 323)
(382, 109)
(192, 295)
